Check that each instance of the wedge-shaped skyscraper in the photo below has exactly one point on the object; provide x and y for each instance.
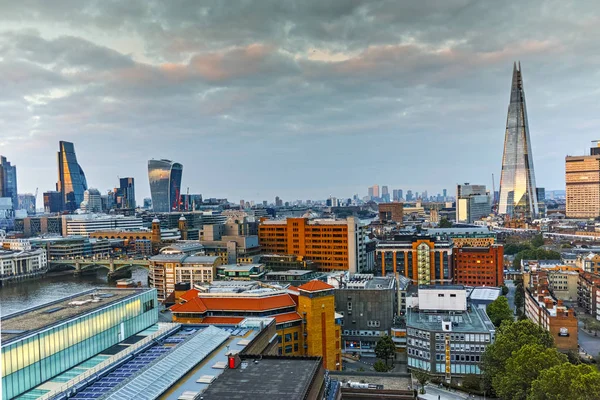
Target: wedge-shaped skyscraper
(165, 184)
(518, 196)
(71, 179)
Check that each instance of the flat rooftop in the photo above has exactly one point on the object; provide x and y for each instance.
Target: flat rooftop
(470, 321)
(273, 378)
(22, 323)
(292, 272)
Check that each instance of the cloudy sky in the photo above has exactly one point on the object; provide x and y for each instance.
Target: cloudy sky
(300, 99)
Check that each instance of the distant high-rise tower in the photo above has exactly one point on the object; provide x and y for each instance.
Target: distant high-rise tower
(8, 181)
(165, 184)
(71, 179)
(127, 189)
(518, 196)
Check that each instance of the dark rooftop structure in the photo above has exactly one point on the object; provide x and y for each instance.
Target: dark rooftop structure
(269, 377)
(21, 323)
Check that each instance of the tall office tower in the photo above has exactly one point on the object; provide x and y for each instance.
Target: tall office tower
(400, 195)
(370, 192)
(71, 179)
(384, 190)
(147, 203)
(409, 195)
(127, 189)
(472, 203)
(92, 201)
(395, 195)
(375, 190)
(582, 176)
(53, 202)
(518, 196)
(278, 202)
(165, 184)
(8, 181)
(444, 194)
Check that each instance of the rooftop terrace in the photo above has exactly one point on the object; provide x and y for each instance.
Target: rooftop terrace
(22, 323)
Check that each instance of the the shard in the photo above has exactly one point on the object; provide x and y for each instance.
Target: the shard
(518, 198)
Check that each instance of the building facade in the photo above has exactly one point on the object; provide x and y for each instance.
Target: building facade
(582, 177)
(92, 201)
(368, 306)
(518, 196)
(446, 336)
(15, 264)
(52, 202)
(392, 212)
(466, 237)
(71, 179)
(127, 188)
(473, 203)
(165, 184)
(42, 342)
(479, 266)
(421, 258)
(85, 224)
(333, 245)
(544, 309)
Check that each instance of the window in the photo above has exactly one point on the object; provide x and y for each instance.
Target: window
(440, 294)
(295, 335)
(349, 306)
(288, 349)
(288, 337)
(296, 346)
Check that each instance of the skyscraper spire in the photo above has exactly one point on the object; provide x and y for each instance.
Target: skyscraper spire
(518, 197)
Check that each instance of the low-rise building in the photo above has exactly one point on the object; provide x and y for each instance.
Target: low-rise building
(479, 266)
(588, 290)
(242, 272)
(306, 321)
(84, 224)
(591, 263)
(423, 259)
(475, 236)
(368, 305)
(563, 280)
(446, 335)
(544, 309)
(19, 264)
(391, 212)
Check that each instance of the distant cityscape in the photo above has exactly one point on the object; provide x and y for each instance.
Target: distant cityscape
(191, 292)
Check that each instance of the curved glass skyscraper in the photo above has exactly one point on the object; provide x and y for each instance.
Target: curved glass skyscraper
(71, 179)
(165, 184)
(518, 197)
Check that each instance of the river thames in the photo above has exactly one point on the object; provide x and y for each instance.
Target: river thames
(20, 295)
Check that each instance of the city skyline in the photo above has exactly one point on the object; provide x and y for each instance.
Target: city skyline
(129, 84)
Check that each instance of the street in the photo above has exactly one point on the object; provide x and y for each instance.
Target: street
(435, 393)
(511, 294)
(588, 342)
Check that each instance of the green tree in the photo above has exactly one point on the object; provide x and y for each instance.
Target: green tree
(524, 367)
(573, 357)
(380, 366)
(444, 223)
(504, 290)
(499, 311)
(510, 337)
(472, 382)
(566, 381)
(537, 241)
(422, 377)
(513, 248)
(385, 348)
(519, 297)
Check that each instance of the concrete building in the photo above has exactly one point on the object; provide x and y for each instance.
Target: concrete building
(446, 335)
(368, 306)
(391, 212)
(84, 224)
(582, 177)
(43, 342)
(423, 259)
(38, 226)
(588, 290)
(180, 264)
(241, 272)
(544, 309)
(562, 280)
(479, 266)
(590, 263)
(331, 244)
(473, 202)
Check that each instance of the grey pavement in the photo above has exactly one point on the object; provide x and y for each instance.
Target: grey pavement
(588, 342)
(432, 393)
(511, 294)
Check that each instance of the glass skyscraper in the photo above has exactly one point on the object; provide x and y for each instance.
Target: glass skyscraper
(127, 189)
(518, 197)
(71, 179)
(165, 184)
(8, 181)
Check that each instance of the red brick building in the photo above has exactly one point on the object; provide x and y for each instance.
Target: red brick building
(479, 266)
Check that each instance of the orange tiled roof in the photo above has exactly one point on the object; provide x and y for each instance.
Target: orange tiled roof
(193, 305)
(315, 286)
(223, 320)
(263, 303)
(190, 294)
(287, 317)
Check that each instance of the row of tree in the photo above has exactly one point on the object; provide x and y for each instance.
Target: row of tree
(523, 364)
